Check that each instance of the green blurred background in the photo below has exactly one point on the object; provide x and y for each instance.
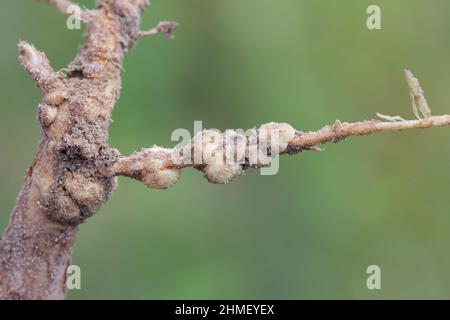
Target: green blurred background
(311, 230)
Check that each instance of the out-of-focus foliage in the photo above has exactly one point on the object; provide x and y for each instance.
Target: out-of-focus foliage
(311, 230)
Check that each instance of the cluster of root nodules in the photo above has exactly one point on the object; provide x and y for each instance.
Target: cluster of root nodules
(221, 156)
(225, 156)
(79, 189)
